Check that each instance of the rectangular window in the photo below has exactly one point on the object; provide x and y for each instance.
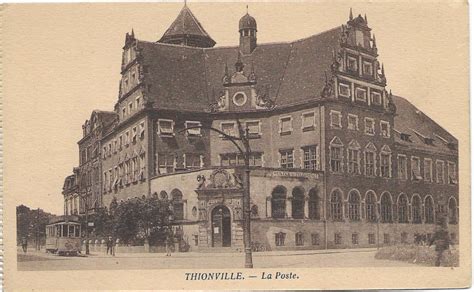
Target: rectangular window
(428, 170)
(452, 174)
(195, 128)
(336, 159)
(299, 239)
(344, 90)
(142, 130)
(120, 144)
(415, 169)
(165, 127)
(286, 126)
(402, 167)
(193, 161)
(352, 122)
(280, 239)
(352, 64)
(308, 121)
(385, 165)
(376, 97)
(386, 238)
(137, 103)
(310, 157)
(385, 129)
(130, 107)
(134, 134)
(127, 138)
(286, 158)
(369, 163)
(353, 161)
(315, 240)
(355, 238)
(337, 238)
(166, 163)
(369, 126)
(361, 94)
(371, 238)
(254, 128)
(335, 118)
(124, 113)
(228, 128)
(368, 71)
(440, 172)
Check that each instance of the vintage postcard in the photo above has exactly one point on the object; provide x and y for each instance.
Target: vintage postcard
(239, 145)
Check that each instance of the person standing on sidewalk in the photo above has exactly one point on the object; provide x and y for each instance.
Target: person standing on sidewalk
(24, 244)
(441, 240)
(113, 244)
(168, 243)
(109, 245)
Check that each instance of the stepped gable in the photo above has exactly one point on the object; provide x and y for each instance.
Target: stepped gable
(409, 118)
(189, 78)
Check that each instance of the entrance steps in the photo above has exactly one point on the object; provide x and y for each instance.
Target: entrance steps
(206, 249)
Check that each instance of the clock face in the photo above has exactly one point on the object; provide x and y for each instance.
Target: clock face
(240, 99)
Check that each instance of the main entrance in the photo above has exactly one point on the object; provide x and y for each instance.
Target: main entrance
(221, 228)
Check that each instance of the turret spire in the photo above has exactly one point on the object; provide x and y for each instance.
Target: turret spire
(350, 14)
(374, 43)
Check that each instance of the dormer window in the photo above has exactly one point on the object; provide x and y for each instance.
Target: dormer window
(376, 98)
(165, 127)
(361, 94)
(452, 146)
(195, 131)
(352, 64)
(428, 141)
(405, 137)
(344, 90)
(368, 68)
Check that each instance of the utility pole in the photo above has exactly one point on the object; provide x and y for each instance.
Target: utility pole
(244, 139)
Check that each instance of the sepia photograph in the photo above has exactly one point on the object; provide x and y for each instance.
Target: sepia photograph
(237, 145)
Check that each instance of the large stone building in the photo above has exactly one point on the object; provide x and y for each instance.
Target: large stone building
(337, 160)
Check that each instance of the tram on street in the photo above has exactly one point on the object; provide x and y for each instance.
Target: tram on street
(63, 236)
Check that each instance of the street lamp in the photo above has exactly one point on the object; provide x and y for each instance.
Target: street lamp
(244, 139)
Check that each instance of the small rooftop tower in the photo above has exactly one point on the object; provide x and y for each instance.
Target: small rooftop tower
(248, 34)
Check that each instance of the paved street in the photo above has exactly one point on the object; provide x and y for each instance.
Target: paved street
(38, 261)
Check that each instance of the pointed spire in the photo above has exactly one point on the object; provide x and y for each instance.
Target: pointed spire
(350, 14)
(239, 66)
(185, 3)
(383, 70)
(365, 18)
(374, 42)
(133, 34)
(247, 7)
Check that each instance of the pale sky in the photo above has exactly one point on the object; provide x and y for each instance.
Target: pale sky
(62, 61)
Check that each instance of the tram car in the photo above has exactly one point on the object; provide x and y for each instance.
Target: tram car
(63, 236)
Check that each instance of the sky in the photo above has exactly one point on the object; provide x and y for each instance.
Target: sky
(62, 61)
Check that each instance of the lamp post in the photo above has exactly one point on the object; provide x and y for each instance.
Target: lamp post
(85, 193)
(244, 139)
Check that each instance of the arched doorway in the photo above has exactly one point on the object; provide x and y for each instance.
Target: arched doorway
(221, 227)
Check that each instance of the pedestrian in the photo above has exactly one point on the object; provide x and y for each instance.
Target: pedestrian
(168, 243)
(441, 240)
(24, 244)
(114, 242)
(109, 245)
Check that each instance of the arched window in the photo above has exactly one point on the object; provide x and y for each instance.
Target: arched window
(297, 204)
(163, 195)
(416, 209)
(402, 208)
(336, 205)
(386, 208)
(370, 205)
(452, 212)
(354, 205)
(314, 205)
(353, 157)
(429, 210)
(178, 206)
(279, 202)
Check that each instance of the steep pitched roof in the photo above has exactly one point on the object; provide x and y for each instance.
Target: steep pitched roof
(190, 78)
(186, 24)
(410, 120)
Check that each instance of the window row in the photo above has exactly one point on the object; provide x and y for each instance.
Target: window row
(308, 123)
(296, 207)
(386, 210)
(124, 140)
(352, 123)
(429, 174)
(360, 160)
(167, 162)
(129, 171)
(166, 128)
(132, 106)
(309, 156)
